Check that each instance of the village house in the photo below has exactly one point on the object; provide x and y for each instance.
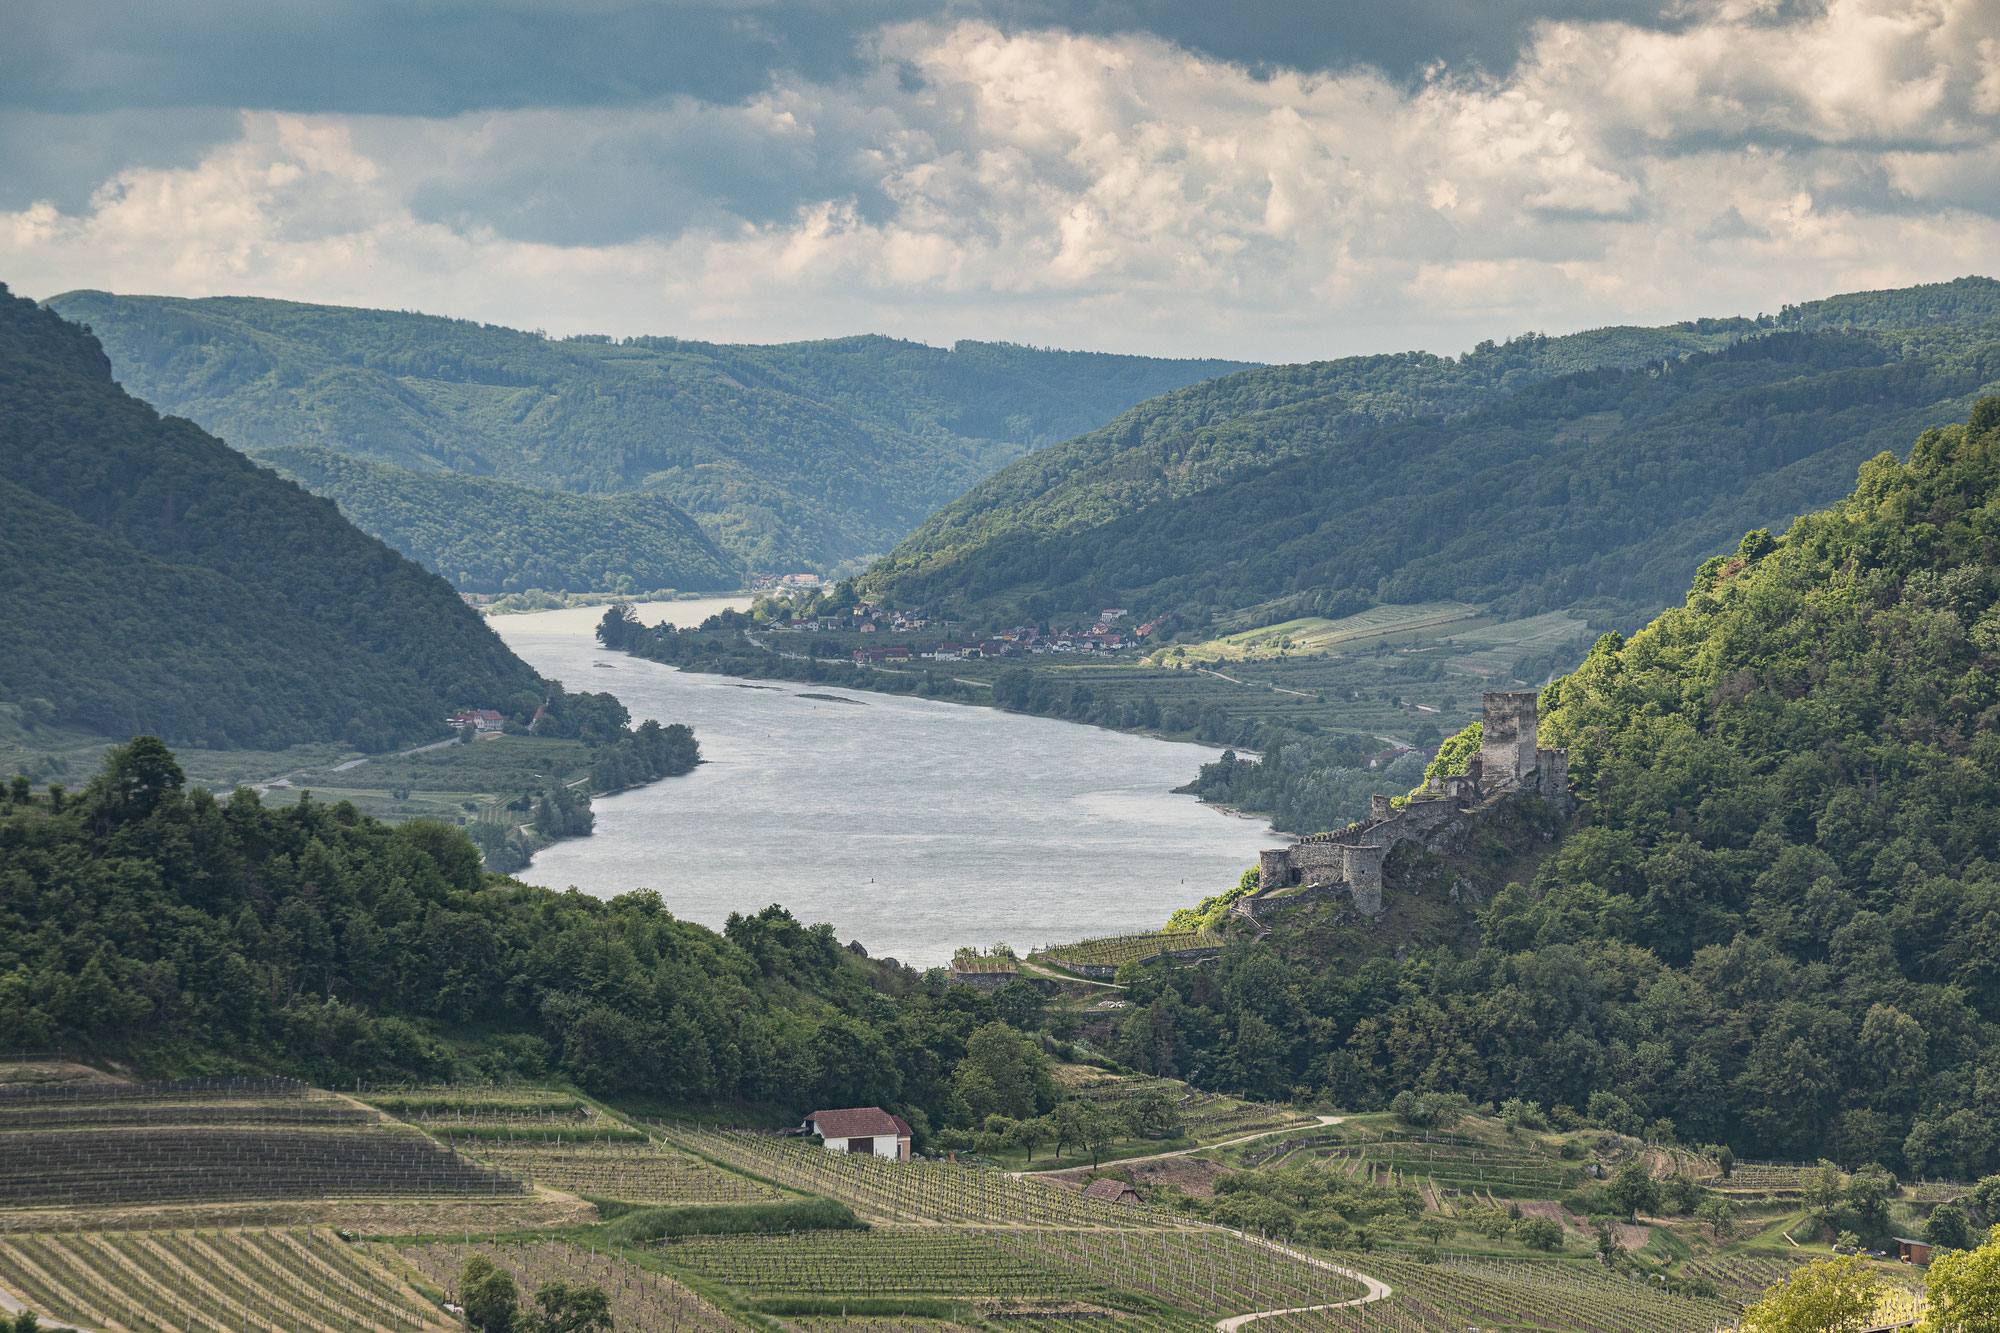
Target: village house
(481, 720)
(867, 1130)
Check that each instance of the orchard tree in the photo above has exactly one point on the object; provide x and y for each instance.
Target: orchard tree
(1829, 1296)
(1964, 1291)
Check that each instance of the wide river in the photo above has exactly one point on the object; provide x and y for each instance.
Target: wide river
(913, 826)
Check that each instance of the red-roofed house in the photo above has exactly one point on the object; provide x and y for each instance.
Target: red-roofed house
(862, 1129)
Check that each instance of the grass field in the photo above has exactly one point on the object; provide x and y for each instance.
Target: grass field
(1314, 634)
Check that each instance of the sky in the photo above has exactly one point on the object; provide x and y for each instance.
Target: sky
(1280, 181)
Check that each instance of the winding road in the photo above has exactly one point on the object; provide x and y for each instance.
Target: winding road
(1378, 1290)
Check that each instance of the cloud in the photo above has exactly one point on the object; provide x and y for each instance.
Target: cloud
(1120, 191)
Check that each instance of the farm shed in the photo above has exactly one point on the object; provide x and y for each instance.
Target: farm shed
(1111, 1190)
(1913, 1251)
(862, 1129)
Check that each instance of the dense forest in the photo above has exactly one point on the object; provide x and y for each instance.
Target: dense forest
(1776, 922)
(491, 536)
(1588, 488)
(142, 921)
(156, 580)
(803, 455)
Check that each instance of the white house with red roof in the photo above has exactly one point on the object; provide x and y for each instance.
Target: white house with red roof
(862, 1129)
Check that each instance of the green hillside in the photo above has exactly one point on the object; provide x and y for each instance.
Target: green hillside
(157, 580)
(493, 536)
(799, 455)
(1522, 482)
(1776, 921)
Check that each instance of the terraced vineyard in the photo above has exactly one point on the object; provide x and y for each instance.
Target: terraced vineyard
(1203, 1270)
(634, 1173)
(1467, 1167)
(1117, 950)
(905, 1191)
(85, 1168)
(1563, 1298)
(887, 1261)
(641, 1301)
(1743, 1277)
(222, 1281)
(95, 1144)
(1174, 1273)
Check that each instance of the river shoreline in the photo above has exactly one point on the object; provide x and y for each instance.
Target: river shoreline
(908, 826)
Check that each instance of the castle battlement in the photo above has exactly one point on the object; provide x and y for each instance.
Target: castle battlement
(1509, 762)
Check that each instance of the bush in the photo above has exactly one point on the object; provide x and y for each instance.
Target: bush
(1428, 1110)
(750, 1219)
(1539, 1233)
(1615, 1114)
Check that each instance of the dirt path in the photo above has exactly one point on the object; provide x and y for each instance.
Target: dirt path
(1378, 1290)
(1203, 1147)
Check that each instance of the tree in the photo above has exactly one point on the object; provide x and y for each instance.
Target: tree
(1634, 1190)
(1100, 1131)
(1948, 1228)
(136, 778)
(572, 1307)
(1720, 1215)
(487, 1293)
(1003, 1072)
(1828, 1296)
(1824, 1189)
(1030, 1134)
(1985, 1200)
(1539, 1233)
(1964, 1291)
(1152, 1111)
(1066, 1125)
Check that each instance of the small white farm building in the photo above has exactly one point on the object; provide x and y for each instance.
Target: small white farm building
(862, 1129)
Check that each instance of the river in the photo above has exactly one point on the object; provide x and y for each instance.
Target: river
(911, 825)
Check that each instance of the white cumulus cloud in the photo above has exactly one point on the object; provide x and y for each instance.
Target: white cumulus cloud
(1121, 192)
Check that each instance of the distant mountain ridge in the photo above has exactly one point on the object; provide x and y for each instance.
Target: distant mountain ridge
(491, 536)
(1325, 487)
(796, 455)
(155, 580)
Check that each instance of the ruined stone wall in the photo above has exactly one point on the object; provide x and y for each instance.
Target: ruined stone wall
(1509, 761)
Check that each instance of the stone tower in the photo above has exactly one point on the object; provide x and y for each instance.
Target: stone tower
(1507, 744)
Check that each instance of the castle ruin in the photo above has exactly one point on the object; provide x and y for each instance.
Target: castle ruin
(1509, 763)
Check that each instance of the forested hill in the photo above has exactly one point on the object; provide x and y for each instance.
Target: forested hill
(187, 935)
(156, 580)
(1776, 923)
(804, 454)
(1521, 480)
(493, 536)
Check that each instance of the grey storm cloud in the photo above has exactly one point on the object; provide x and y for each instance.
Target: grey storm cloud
(1283, 180)
(433, 58)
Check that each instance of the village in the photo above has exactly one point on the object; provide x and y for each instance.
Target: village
(869, 617)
